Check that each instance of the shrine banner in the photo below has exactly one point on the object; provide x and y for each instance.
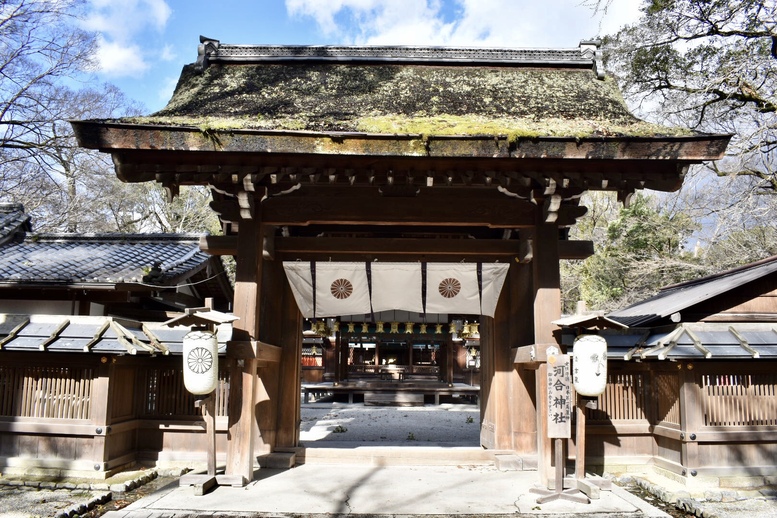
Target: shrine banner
(341, 289)
(397, 286)
(492, 278)
(301, 282)
(452, 288)
(329, 289)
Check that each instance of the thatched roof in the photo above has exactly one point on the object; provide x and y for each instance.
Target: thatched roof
(401, 91)
(273, 115)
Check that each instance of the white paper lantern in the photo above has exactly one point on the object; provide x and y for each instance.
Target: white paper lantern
(589, 367)
(200, 362)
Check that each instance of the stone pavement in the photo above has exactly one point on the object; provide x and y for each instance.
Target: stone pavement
(374, 490)
(357, 463)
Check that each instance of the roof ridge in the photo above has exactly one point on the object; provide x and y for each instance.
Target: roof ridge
(713, 276)
(113, 236)
(587, 54)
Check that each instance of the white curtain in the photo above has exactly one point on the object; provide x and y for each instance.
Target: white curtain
(494, 275)
(452, 288)
(397, 286)
(344, 288)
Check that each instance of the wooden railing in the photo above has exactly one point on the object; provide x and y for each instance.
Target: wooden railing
(166, 396)
(666, 394)
(46, 392)
(739, 399)
(623, 398)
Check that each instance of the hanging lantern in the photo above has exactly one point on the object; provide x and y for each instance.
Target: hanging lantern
(452, 328)
(321, 328)
(465, 331)
(395, 327)
(336, 326)
(378, 327)
(200, 361)
(365, 328)
(408, 328)
(589, 367)
(351, 327)
(438, 329)
(423, 329)
(474, 329)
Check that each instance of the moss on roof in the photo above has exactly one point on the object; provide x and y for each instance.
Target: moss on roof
(401, 99)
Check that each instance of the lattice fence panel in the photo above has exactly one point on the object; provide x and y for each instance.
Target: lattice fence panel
(667, 393)
(623, 398)
(166, 395)
(739, 399)
(46, 392)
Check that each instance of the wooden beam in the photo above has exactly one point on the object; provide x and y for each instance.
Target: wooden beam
(219, 245)
(575, 250)
(408, 249)
(531, 353)
(254, 349)
(398, 246)
(365, 206)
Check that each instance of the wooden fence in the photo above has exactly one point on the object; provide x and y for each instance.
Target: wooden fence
(692, 418)
(46, 391)
(101, 414)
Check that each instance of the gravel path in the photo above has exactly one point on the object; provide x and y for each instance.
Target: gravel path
(409, 426)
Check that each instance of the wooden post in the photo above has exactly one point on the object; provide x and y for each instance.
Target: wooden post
(690, 418)
(580, 439)
(243, 378)
(449, 362)
(289, 368)
(342, 362)
(547, 308)
(558, 424)
(209, 414)
(101, 410)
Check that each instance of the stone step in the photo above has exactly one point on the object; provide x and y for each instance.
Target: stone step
(398, 456)
(393, 399)
(278, 460)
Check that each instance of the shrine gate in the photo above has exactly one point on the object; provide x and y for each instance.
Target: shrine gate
(405, 154)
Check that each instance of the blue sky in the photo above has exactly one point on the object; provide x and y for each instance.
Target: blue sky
(145, 43)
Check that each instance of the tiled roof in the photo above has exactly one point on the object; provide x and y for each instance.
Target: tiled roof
(678, 297)
(101, 259)
(692, 341)
(13, 221)
(101, 335)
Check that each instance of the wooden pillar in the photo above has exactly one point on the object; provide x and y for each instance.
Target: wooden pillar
(242, 363)
(449, 361)
(691, 419)
(520, 288)
(345, 352)
(496, 425)
(507, 392)
(101, 410)
(547, 308)
(281, 325)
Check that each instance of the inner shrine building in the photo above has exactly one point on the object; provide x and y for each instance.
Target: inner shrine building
(394, 159)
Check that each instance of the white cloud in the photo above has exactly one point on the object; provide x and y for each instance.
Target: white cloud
(119, 59)
(498, 23)
(119, 24)
(168, 53)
